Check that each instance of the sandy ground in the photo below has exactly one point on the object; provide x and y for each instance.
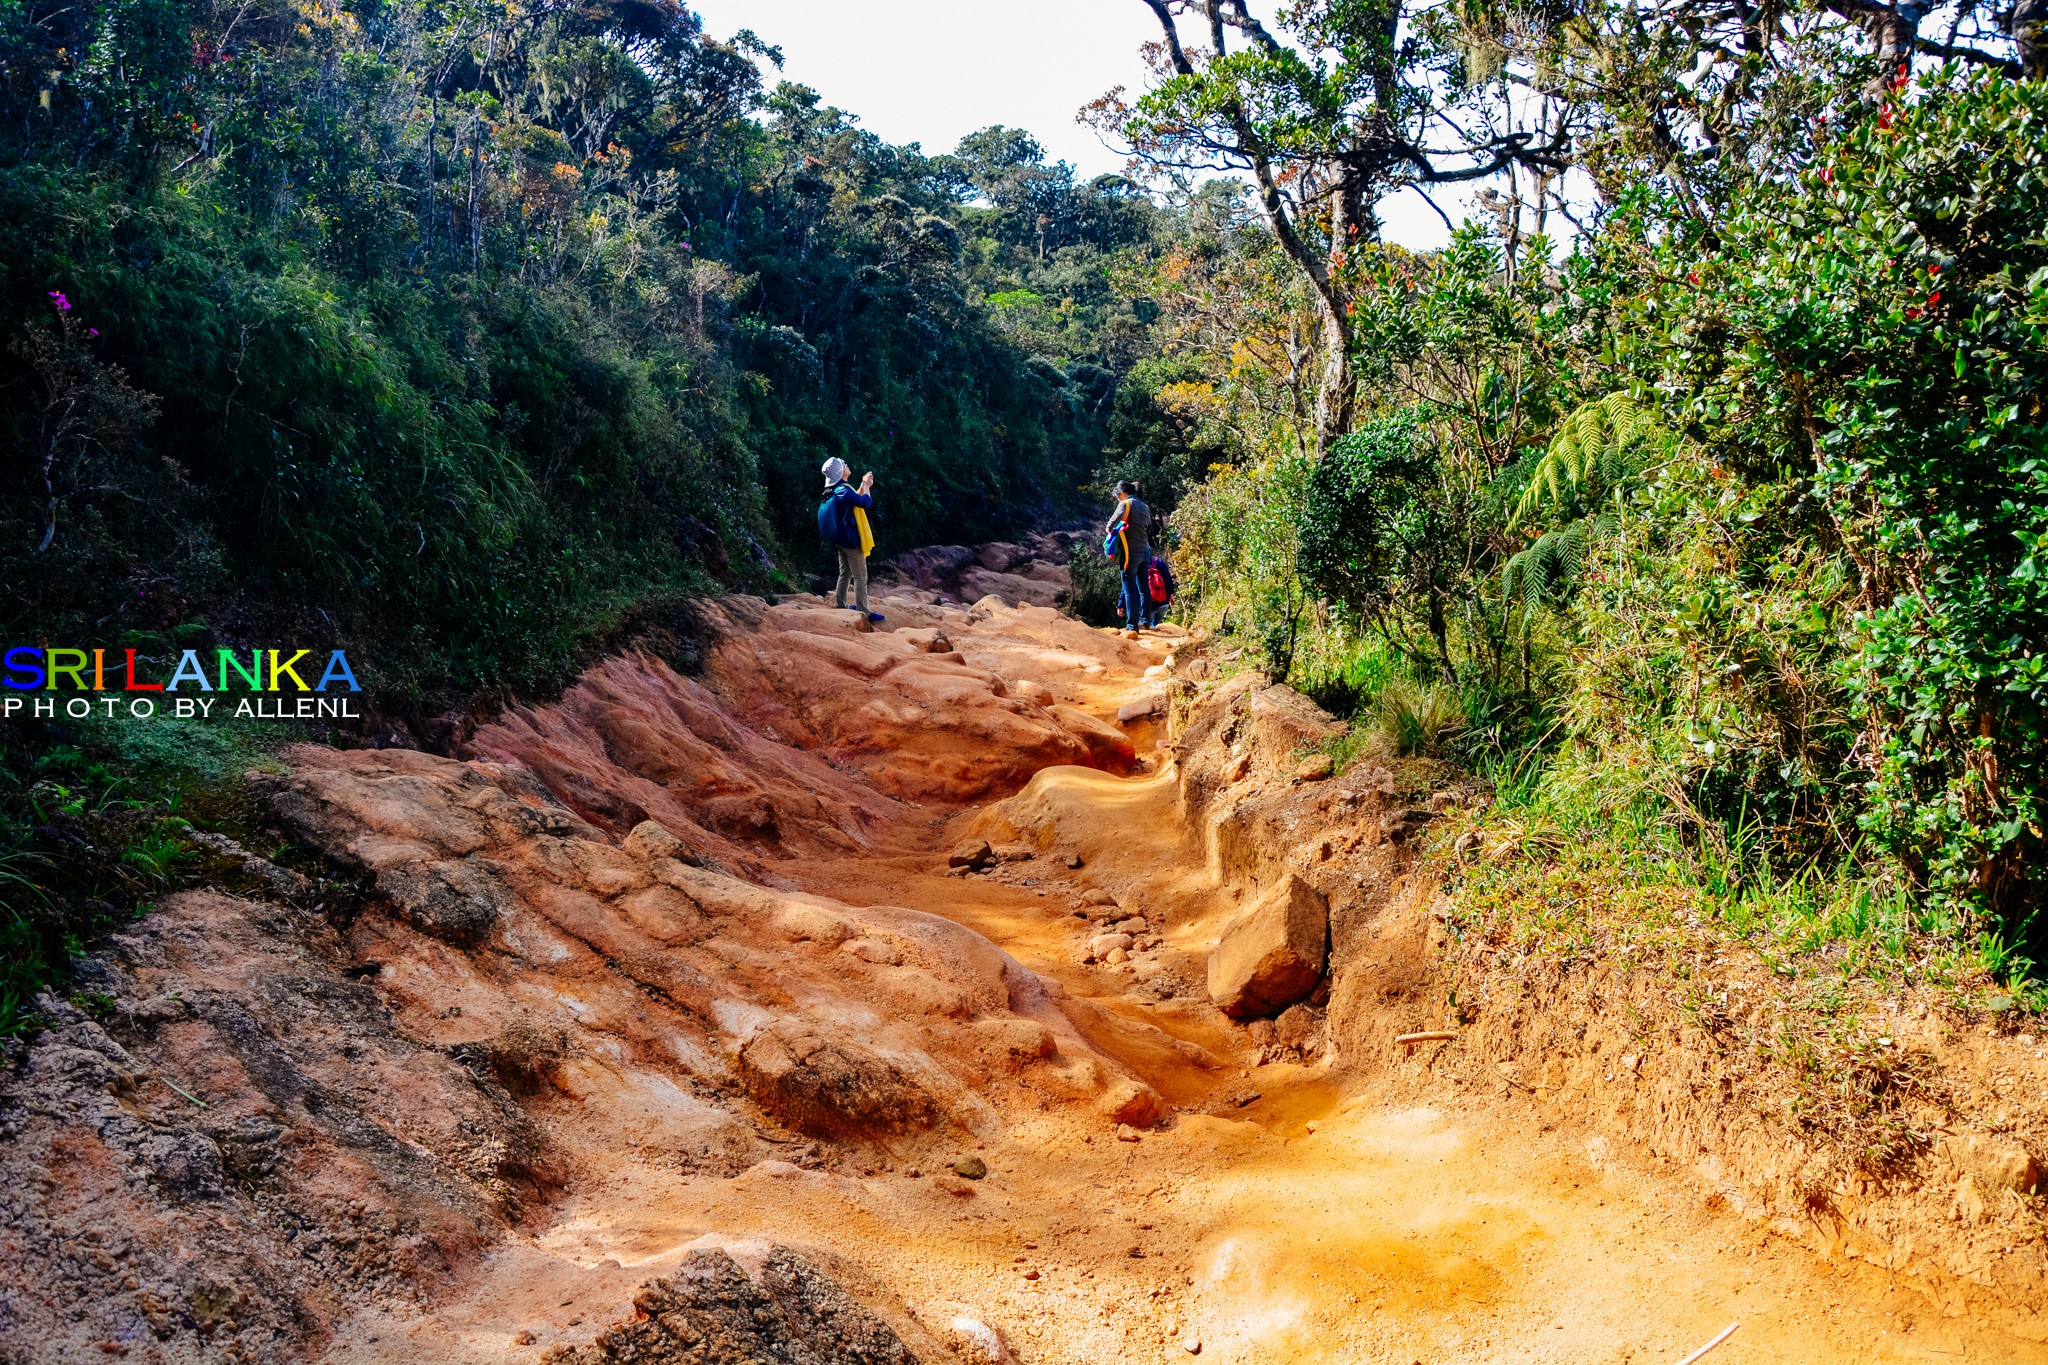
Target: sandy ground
(1284, 1214)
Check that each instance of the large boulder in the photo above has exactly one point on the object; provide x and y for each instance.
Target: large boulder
(1284, 722)
(831, 1087)
(1273, 954)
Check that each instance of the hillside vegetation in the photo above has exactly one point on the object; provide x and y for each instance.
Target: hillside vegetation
(1696, 497)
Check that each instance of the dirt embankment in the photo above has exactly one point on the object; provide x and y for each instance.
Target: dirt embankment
(1939, 1186)
(858, 1000)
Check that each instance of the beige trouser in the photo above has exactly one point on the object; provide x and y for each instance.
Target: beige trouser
(853, 568)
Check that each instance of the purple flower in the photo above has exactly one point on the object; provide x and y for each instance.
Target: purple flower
(92, 331)
(63, 304)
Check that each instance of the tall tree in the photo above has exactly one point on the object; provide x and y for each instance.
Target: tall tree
(1350, 101)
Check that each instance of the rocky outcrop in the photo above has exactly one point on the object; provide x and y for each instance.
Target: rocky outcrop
(565, 959)
(1283, 722)
(1273, 954)
(711, 1311)
(236, 1150)
(1918, 1154)
(1029, 572)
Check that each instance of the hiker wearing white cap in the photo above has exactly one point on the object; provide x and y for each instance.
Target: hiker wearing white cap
(843, 524)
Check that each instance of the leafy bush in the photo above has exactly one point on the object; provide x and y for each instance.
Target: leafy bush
(1865, 349)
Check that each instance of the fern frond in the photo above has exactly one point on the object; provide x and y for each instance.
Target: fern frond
(1596, 447)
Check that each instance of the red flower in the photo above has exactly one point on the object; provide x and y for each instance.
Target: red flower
(1692, 277)
(1934, 298)
(1827, 175)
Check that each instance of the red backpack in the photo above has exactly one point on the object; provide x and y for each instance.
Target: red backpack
(1156, 586)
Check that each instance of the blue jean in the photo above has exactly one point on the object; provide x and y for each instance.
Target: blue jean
(1137, 611)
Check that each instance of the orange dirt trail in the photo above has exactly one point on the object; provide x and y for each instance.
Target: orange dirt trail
(1280, 1213)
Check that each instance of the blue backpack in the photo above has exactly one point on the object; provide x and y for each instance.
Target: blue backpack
(832, 522)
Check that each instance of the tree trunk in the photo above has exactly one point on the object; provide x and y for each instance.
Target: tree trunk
(2031, 36)
(1338, 392)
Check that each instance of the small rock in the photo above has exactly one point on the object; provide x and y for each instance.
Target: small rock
(1074, 860)
(959, 1189)
(1134, 925)
(970, 1168)
(1016, 853)
(1468, 842)
(1995, 1161)
(1144, 708)
(1117, 957)
(523, 1337)
(971, 853)
(1400, 826)
(1126, 1133)
(1314, 768)
(940, 644)
(1035, 692)
(1298, 1027)
(975, 1339)
(1103, 944)
(651, 840)
(1192, 1345)
(1130, 1103)
(1030, 1274)
(1097, 897)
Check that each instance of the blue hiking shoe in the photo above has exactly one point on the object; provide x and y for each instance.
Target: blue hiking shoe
(876, 616)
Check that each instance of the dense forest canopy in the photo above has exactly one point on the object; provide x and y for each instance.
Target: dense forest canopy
(464, 329)
(1695, 494)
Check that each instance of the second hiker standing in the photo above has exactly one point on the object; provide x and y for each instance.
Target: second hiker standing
(1130, 532)
(843, 524)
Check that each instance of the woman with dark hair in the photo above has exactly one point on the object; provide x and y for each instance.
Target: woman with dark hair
(843, 524)
(1129, 535)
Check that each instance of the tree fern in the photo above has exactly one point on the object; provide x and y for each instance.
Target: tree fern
(1547, 565)
(1596, 448)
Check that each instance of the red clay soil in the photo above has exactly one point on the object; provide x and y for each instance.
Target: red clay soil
(679, 972)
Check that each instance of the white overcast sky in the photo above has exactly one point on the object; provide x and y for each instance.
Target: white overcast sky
(931, 71)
